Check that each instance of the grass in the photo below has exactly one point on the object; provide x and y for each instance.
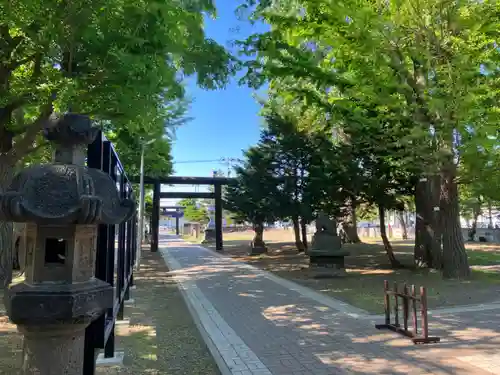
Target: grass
(363, 288)
(367, 268)
(162, 338)
(484, 258)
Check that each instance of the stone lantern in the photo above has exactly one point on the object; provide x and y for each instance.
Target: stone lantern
(61, 204)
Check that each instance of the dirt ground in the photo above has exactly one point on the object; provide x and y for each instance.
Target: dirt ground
(367, 268)
(11, 345)
(161, 339)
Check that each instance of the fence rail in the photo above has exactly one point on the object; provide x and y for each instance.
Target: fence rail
(410, 302)
(115, 256)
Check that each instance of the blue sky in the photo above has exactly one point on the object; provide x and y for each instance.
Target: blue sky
(225, 122)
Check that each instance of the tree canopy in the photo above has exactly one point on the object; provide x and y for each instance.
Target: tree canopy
(252, 194)
(194, 211)
(408, 91)
(121, 62)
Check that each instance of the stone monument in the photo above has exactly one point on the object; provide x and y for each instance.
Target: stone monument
(61, 204)
(326, 255)
(210, 229)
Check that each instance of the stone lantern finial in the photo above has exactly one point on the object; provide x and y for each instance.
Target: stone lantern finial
(71, 133)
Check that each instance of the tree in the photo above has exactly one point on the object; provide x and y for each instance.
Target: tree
(121, 62)
(420, 63)
(252, 196)
(366, 164)
(157, 158)
(303, 166)
(306, 158)
(148, 206)
(193, 211)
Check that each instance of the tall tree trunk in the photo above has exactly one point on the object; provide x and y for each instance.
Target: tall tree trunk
(455, 262)
(6, 228)
(303, 228)
(402, 221)
(350, 225)
(476, 210)
(422, 254)
(258, 238)
(436, 227)
(387, 245)
(427, 251)
(296, 232)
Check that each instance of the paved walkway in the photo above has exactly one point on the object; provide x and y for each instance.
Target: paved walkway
(258, 324)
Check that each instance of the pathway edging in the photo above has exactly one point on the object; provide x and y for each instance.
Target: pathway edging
(231, 354)
(219, 361)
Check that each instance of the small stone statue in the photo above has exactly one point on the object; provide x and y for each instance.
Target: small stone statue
(325, 225)
(326, 249)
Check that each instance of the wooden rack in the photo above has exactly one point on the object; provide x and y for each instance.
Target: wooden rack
(408, 300)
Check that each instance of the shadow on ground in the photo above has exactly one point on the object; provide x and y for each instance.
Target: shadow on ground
(162, 338)
(11, 345)
(297, 335)
(368, 267)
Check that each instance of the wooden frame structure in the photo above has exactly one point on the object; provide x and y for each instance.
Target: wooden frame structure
(217, 183)
(409, 299)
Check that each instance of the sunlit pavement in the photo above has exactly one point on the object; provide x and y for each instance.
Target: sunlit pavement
(258, 324)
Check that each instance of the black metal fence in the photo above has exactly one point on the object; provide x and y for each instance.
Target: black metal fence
(115, 258)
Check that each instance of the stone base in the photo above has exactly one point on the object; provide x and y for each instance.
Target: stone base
(116, 360)
(327, 261)
(326, 244)
(209, 236)
(332, 273)
(257, 249)
(53, 350)
(327, 266)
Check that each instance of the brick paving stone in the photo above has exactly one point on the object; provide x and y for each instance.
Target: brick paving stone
(288, 332)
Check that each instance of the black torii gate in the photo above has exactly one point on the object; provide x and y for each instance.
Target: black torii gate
(217, 183)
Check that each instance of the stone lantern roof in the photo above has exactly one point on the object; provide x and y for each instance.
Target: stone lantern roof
(65, 191)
